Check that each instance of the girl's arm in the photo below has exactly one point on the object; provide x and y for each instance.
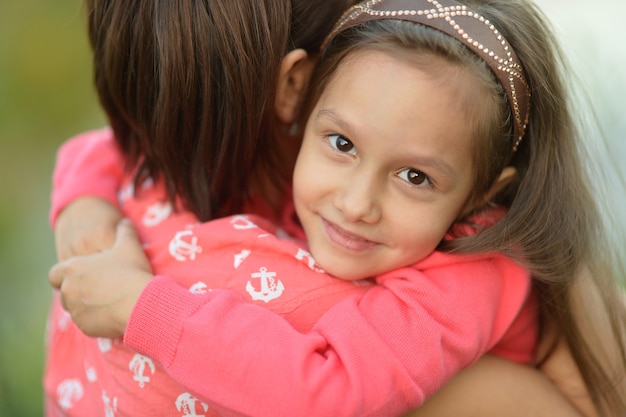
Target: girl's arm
(85, 226)
(87, 176)
(497, 387)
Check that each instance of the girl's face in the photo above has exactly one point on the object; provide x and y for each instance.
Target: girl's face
(385, 167)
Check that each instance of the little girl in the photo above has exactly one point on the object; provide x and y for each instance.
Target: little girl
(385, 180)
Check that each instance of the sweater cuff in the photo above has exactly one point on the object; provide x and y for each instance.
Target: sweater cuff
(156, 323)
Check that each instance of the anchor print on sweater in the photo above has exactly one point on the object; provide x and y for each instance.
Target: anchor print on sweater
(270, 287)
(186, 404)
(156, 213)
(69, 392)
(184, 246)
(139, 366)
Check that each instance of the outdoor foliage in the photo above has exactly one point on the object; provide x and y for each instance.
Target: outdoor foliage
(45, 97)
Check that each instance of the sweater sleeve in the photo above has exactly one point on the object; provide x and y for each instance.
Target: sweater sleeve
(87, 164)
(381, 353)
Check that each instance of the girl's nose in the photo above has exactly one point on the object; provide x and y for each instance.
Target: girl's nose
(358, 201)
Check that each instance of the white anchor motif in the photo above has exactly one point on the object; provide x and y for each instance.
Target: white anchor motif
(241, 222)
(90, 372)
(186, 404)
(138, 366)
(198, 288)
(302, 255)
(240, 257)
(156, 213)
(64, 320)
(110, 405)
(183, 249)
(281, 234)
(125, 193)
(69, 392)
(148, 183)
(270, 288)
(104, 344)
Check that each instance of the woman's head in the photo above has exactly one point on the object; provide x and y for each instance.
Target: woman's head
(189, 88)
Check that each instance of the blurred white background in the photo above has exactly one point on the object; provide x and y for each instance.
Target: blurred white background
(593, 36)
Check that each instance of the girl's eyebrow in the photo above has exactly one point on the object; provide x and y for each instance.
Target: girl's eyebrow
(437, 164)
(332, 116)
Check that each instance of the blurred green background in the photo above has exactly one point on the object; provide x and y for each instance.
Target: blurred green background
(46, 96)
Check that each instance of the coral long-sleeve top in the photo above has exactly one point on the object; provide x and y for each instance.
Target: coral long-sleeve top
(240, 320)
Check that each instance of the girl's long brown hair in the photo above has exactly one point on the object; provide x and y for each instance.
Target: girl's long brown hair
(189, 85)
(554, 216)
(553, 224)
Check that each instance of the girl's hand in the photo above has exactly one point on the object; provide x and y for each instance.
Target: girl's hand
(100, 290)
(85, 226)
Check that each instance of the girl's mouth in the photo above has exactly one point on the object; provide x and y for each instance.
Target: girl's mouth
(345, 239)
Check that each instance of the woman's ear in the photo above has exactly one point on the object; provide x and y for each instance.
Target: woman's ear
(295, 70)
(507, 175)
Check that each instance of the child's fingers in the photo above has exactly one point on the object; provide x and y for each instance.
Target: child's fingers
(57, 273)
(125, 232)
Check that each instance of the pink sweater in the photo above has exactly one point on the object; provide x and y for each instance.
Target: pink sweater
(334, 348)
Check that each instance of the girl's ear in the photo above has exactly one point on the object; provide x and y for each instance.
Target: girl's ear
(507, 175)
(295, 70)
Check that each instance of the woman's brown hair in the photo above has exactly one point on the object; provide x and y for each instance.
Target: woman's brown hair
(188, 87)
(553, 224)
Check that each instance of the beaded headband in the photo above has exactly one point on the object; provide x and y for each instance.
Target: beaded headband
(464, 25)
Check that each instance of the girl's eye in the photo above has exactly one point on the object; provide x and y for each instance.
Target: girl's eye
(341, 144)
(414, 177)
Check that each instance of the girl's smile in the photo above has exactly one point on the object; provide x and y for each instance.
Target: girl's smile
(346, 240)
